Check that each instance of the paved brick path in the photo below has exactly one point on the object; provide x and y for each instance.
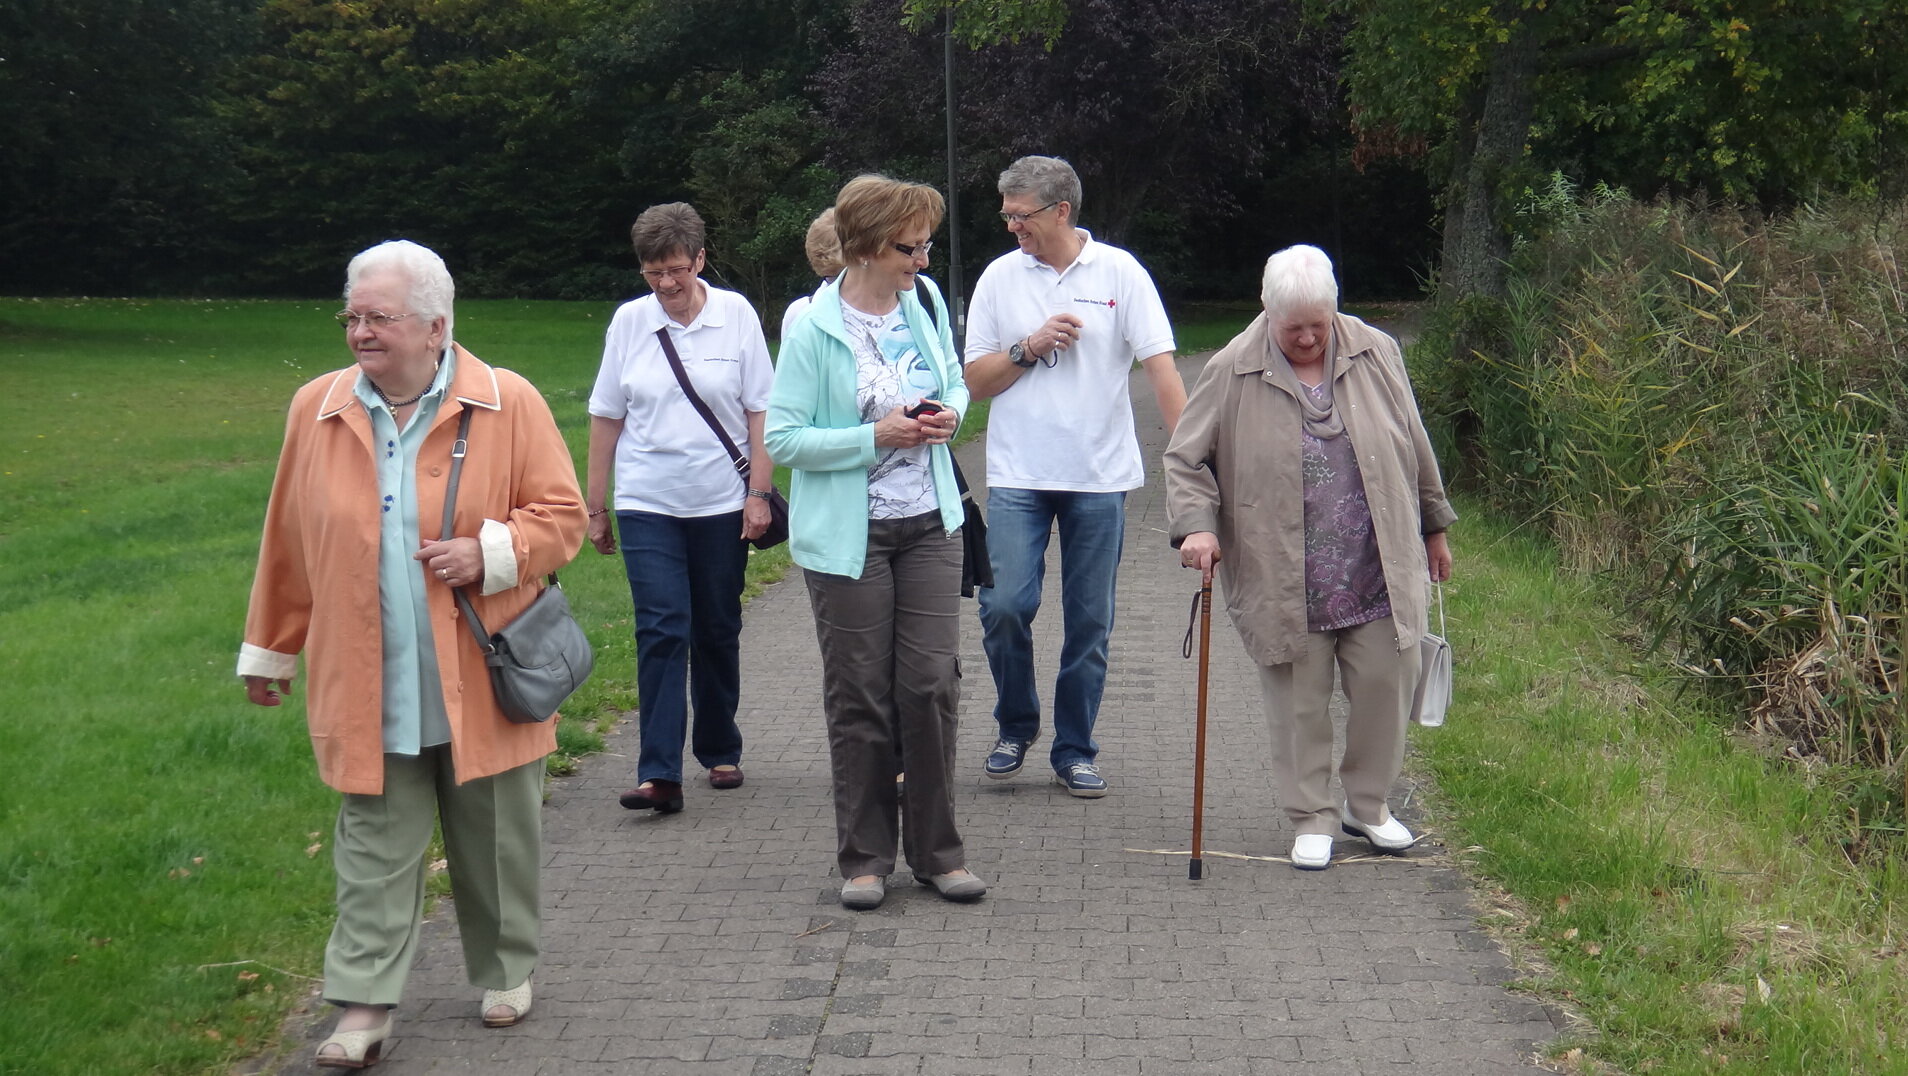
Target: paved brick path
(711, 941)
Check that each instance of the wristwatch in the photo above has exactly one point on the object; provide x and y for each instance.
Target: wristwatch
(1018, 354)
(762, 493)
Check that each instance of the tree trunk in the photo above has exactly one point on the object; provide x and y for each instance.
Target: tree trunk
(1476, 242)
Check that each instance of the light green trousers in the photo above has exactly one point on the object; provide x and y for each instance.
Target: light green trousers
(493, 838)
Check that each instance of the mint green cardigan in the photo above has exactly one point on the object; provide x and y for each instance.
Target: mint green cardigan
(814, 428)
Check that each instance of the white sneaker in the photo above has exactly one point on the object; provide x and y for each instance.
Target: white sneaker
(1312, 851)
(1391, 836)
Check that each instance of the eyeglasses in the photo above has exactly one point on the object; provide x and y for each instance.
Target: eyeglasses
(1021, 218)
(914, 252)
(376, 319)
(680, 272)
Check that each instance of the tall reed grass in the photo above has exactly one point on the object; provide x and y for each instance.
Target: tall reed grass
(1710, 405)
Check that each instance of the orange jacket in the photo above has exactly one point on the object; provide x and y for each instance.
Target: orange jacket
(316, 590)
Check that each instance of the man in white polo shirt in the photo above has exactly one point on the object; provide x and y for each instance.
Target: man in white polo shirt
(1054, 330)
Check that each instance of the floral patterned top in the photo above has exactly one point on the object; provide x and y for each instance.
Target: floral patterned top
(891, 372)
(1344, 578)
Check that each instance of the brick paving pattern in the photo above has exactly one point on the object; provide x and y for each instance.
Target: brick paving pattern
(712, 941)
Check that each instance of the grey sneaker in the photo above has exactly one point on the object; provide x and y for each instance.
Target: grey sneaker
(1082, 779)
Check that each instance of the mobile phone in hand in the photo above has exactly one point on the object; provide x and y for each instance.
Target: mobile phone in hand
(922, 409)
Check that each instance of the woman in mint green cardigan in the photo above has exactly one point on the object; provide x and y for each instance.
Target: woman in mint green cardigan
(868, 393)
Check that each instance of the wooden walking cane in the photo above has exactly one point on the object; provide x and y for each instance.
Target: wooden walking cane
(1204, 604)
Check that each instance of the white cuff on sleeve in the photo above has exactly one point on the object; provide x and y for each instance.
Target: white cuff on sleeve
(270, 664)
(500, 557)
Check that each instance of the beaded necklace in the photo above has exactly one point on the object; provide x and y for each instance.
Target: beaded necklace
(394, 404)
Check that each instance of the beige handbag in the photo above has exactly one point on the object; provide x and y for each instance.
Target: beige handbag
(1433, 695)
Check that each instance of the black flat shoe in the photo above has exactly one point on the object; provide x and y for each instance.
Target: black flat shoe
(663, 797)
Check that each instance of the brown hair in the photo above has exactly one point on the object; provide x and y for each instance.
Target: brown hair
(822, 247)
(872, 210)
(663, 230)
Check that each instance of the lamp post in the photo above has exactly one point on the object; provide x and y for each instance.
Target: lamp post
(956, 302)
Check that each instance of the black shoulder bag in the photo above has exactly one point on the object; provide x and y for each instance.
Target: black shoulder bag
(777, 531)
(976, 569)
(540, 658)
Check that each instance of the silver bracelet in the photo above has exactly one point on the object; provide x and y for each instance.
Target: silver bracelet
(762, 493)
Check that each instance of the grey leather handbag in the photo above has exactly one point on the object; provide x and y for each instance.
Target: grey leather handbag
(538, 659)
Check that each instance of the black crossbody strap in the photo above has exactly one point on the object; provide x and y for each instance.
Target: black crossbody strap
(924, 297)
(695, 401)
(458, 451)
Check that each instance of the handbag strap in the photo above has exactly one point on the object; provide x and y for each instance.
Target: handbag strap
(695, 401)
(459, 449)
(923, 296)
(1438, 589)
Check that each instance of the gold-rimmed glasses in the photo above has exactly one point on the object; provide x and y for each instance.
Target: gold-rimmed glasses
(376, 319)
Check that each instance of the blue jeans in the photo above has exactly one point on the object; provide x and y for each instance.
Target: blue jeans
(1092, 533)
(685, 580)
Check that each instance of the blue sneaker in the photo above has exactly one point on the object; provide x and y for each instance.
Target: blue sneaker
(1006, 757)
(1082, 779)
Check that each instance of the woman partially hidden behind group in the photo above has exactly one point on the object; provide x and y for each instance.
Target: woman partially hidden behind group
(354, 573)
(683, 512)
(874, 521)
(1302, 470)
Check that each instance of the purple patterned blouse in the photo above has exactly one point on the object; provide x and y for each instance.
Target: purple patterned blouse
(1344, 578)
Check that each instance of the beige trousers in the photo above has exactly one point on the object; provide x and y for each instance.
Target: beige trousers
(1378, 680)
(493, 839)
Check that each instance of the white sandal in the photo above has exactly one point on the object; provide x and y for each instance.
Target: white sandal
(517, 1000)
(361, 1047)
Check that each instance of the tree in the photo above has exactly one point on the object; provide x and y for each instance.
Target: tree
(452, 122)
(1161, 105)
(979, 23)
(712, 110)
(1764, 100)
(115, 167)
(758, 182)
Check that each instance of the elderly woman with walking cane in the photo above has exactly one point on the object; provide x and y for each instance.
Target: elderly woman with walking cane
(1301, 471)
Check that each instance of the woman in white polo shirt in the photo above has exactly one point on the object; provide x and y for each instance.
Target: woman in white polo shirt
(683, 512)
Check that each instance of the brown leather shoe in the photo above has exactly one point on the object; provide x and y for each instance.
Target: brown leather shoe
(664, 797)
(725, 777)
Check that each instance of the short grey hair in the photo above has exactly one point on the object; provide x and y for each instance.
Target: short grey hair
(1045, 179)
(431, 291)
(1298, 278)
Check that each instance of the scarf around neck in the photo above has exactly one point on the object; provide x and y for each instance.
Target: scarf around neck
(1321, 419)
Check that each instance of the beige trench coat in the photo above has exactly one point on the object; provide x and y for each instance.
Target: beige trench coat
(316, 590)
(1232, 468)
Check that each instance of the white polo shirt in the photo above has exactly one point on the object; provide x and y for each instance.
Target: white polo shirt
(667, 458)
(1069, 426)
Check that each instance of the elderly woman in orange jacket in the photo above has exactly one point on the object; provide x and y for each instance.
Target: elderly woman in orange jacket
(353, 573)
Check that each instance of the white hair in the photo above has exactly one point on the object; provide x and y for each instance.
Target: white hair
(1298, 278)
(431, 291)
